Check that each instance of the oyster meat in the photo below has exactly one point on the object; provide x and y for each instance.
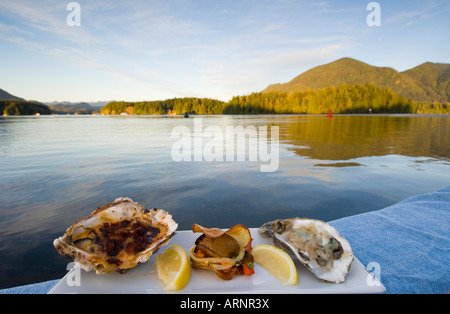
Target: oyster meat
(116, 237)
(315, 243)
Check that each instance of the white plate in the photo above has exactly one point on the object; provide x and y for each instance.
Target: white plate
(144, 279)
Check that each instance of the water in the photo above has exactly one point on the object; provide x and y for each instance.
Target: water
(57, 169)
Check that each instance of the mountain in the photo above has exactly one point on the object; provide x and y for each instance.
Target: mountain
(70, 108)
(428, 82)
(434, 78)
(67, 107)
(79, 105)
(4, 95)
(11, 105)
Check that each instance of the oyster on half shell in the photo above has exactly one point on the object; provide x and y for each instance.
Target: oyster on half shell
(116, 237)
(315, 243)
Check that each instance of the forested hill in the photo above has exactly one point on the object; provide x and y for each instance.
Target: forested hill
(346, 98)
(15, 107)
(11, 105)
(428, 82)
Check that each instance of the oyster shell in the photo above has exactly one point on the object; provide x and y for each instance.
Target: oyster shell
(116, 237)
(315, 243)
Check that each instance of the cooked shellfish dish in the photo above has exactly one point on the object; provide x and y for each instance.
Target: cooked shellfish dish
(314, 243)
(116, 237)
(224, 252)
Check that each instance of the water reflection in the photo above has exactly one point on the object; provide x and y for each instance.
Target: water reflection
(340, 164)
(349, 137)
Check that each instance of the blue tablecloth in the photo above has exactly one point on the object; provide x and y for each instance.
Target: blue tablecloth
(408, 243)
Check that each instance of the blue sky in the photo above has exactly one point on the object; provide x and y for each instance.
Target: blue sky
(146, 50)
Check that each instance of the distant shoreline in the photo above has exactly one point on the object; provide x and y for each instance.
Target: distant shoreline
(222, 114)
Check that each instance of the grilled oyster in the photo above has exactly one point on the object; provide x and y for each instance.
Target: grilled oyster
(224, 252)
(116, 237)
(315, 243)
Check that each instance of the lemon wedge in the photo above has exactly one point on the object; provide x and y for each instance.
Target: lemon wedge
(277, 262)
(173, 268)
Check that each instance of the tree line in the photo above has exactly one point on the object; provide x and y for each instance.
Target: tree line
(345, 99)
(357, 98)
(174, 105)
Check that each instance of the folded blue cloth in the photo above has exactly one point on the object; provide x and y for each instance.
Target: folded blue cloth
(37, 288)
(409, 243)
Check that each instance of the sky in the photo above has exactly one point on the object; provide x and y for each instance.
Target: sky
(139, 50)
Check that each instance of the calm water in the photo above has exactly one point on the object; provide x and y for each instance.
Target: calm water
(57, 169)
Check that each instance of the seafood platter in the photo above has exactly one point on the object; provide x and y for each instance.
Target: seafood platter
(115, 250)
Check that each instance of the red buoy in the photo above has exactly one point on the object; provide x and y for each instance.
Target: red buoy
(330, 115)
